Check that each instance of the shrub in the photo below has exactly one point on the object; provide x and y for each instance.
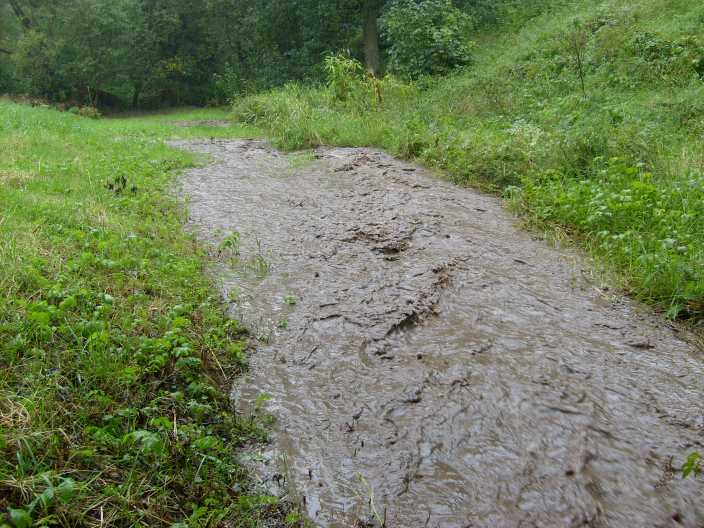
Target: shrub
(344, 75)
(675, 61)
(644, 224)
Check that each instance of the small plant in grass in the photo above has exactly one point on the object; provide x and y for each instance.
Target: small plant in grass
(230, 245)
(577, 40)
(119, 184)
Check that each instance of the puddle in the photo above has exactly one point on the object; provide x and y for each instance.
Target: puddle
(431, 365)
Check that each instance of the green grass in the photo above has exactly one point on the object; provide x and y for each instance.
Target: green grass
(618, 166)
(115, 353)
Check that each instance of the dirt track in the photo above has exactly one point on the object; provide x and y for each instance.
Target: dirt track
(439, 359)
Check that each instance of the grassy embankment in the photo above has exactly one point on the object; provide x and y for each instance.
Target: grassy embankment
(115, 353)
(609, 152)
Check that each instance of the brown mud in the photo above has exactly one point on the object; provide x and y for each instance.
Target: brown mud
(216, 123)
(431, 365)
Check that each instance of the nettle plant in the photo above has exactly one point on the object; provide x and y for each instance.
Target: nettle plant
(651, 227)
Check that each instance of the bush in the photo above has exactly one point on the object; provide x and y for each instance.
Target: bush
(427, 38)
(674, 61)
(344, 75)
(8, 82)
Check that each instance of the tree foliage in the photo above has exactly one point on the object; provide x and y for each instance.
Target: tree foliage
(173, 52)
(427, 37)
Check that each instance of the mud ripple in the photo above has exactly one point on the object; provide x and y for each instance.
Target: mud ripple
(439, 367)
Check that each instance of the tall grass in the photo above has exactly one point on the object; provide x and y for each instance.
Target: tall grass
(588, 117)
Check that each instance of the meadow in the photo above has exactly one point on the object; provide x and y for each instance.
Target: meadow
(116, 357)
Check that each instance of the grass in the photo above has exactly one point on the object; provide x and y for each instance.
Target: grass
(115, 353)
(617, 164)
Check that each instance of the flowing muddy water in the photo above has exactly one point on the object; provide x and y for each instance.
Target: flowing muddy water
(430, 365)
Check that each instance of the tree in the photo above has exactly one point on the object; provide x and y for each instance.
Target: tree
(427, 37)
(169, 52)
(372, 56)
(21, 14)
(93, 51)
(7, 30)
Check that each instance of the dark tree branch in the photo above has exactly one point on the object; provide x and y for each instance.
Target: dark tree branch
(7, 51)
(20, 14)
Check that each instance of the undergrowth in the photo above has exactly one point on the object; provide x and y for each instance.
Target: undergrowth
(588, 117)
(115, 353)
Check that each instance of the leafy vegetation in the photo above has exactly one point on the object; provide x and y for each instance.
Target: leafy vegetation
(117, 54)
(115, 353)
(589, 117)
(155, 53)
(427, 38)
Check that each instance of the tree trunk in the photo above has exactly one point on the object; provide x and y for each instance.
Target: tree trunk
(372, 56)
(135, 94)
(7, 51)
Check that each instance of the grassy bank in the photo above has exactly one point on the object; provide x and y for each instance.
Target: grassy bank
(589, 118)
(115, 354)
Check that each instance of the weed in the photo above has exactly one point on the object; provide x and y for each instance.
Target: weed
(343, 73)
(119, 184)
(230, 245)
(234, 295)
(264, 335)
(260, 265)
(578, 39)
(692, 466)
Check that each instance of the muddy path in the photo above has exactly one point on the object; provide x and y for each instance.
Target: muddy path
(432, 365)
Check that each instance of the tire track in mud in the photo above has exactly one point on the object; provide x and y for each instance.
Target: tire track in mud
(439, 360)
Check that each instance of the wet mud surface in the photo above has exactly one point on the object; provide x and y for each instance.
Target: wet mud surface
(431, 365)
(216, 123)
